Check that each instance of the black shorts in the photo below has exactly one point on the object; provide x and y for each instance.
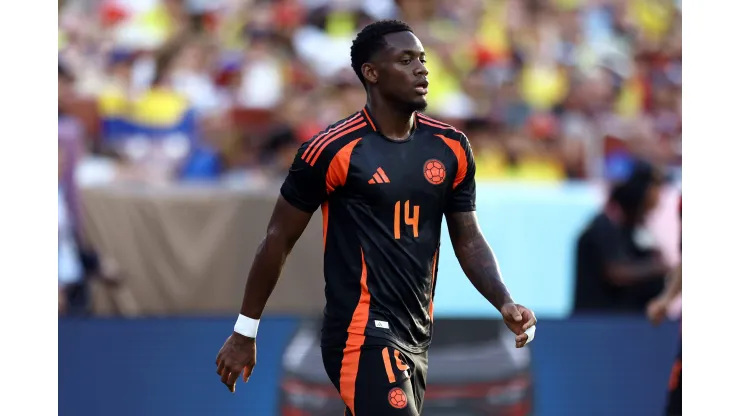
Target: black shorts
(376, 379)
(673, 407)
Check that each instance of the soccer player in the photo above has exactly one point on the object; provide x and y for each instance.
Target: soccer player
(384, 177)
(656, 312)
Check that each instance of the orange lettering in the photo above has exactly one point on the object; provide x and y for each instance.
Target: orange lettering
(412, 220)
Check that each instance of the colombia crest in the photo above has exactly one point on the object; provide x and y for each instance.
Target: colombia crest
(434, 171)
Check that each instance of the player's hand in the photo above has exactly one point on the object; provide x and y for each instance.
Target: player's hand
(237, 356)
(519, 319)
(657, 309)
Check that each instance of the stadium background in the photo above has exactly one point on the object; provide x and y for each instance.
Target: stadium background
(178, 119)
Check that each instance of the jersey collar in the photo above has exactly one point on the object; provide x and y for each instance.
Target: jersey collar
(373, 124)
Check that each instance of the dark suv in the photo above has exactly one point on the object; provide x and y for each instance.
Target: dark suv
(474, 370)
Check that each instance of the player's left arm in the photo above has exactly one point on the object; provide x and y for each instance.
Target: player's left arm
(475, 254)
(480, 266)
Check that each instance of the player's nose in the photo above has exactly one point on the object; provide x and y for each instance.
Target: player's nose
(420, 70)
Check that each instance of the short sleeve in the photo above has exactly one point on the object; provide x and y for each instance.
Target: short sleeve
(462, 198)
(305, 185)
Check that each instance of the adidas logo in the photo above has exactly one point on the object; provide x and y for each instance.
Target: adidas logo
(379, 177)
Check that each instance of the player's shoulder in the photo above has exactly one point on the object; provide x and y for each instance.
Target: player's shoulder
(441, 129)
(453, 136)
(436, 127)
(324, 145)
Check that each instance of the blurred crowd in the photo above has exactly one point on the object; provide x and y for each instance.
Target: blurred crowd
(546, 90)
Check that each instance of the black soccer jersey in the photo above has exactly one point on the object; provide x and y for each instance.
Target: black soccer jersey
(382, 202)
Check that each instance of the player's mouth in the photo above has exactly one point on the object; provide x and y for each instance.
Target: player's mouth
(422, 87)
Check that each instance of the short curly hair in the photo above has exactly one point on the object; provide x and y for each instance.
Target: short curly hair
(370, 40)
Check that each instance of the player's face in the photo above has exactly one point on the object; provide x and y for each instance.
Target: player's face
(402, 75)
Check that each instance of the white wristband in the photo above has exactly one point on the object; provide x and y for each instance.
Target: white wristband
(530, 334)
(246, 326)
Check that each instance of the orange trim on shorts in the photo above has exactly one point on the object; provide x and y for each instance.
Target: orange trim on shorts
(367, 116)
(462, 160)
(388, 367)
(355, 340)
(399, 364)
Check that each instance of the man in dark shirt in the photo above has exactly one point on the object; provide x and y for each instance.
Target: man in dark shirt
(618, 264)
(384, 177)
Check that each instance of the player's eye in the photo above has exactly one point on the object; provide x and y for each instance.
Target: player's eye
(405, 61)
(423, 60)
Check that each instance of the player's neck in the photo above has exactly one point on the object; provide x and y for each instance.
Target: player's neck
(393, 123)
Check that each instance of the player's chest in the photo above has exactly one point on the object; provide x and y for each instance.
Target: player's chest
(382, 172)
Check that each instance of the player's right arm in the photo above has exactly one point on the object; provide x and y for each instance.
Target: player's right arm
(302, 193)
(284, 229)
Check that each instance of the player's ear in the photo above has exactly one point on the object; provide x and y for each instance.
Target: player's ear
(370, 72)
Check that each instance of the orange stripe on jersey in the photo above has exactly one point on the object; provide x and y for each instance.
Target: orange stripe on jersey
(336, 175)
(330, 139)
(388, 366)
(399, 364)
(431, 289)
(325, 215)
(362, 311)
(320, 142)
(367, 116)
(462, 160)
(377, 178)
(355, 340)
(435, 123)
(312, 147)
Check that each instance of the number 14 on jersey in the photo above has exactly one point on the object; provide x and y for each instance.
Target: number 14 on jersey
(412, 220)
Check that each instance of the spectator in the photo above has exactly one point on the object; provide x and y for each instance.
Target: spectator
(547, 80)
(618, 265)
